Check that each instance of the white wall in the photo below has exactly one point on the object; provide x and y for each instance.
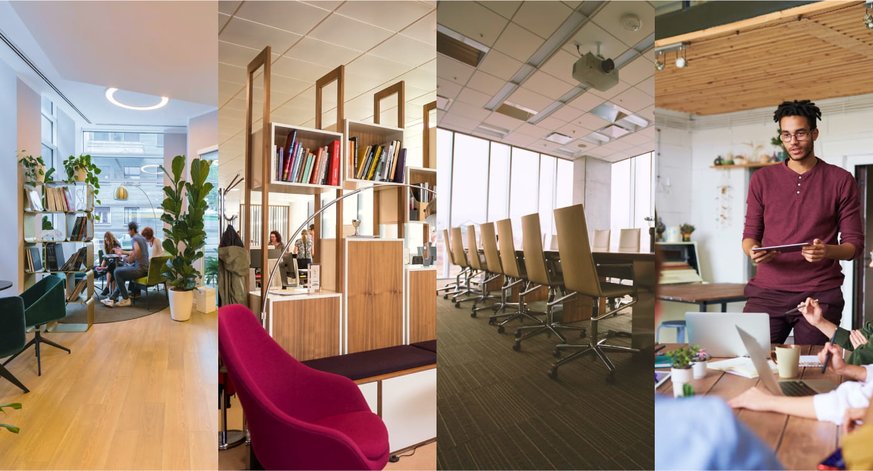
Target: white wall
(10, 182)
(202, 133)
(598, 181)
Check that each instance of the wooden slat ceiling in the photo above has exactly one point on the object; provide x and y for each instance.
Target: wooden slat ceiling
(822, 54)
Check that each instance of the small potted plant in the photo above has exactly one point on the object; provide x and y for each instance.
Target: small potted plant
(686, 230)
(777, 142)
(12, 405)
(698, 363)
(680, 374)
(81, 169)
(34, 169)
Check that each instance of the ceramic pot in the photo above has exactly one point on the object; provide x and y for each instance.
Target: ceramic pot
(698, 369)
(181, 303)
(80, 175)
(679, 377)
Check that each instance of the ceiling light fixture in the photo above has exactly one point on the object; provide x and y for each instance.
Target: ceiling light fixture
(631, 22)
(659, 61)
(110, 95)
(559, 138)
(681, 58)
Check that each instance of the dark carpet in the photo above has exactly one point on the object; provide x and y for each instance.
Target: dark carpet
(143, 306)
(498, 409)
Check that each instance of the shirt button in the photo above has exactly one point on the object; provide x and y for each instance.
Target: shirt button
(798, 192)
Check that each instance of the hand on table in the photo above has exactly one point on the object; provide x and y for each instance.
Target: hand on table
(761, 256)
(752, 399)
(811, 311)
(815, 252)
(857, 338)
(837, 364)
(854, 418)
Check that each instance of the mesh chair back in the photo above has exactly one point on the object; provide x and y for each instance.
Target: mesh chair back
(473, 249)
(507, 249)
(489, 243)
(601, 240)
(577, 263)
(458, 255)
(629, 240)
(532, 244)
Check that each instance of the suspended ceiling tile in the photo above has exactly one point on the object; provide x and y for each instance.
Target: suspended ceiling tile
(299, 69)
(405, 50)
(521, 140)
(393, 16)
(589, 121)
(448, 89)
(531, 130)
(229, 53)
(453, 70)
(576, 132)
(551, 123)
(420, 79)
(471, 20)
(518, 43)
(638, 139)
(257, 36)
(647, 86)
(503, 121)
(320, 52)
(228, 6)
(295, 17)
(587, 101)
(485, 83)
(468, 111)
(222, 20)
(542, 18)
(376, 69)
(608, 94)
(567, 113)
(325, 4)
(560, 65)
(633, 99)
(351, 34)
(499, 65)
(423, 30)
(547, 85)
(504, 9)
(609, 18)
(529, 99)
(637, 70)
(458, 122)
(472, 97)
(232, 73)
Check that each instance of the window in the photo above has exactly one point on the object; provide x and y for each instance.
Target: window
(103, 215)
(547, 193)
(470, 197)
(131, 213)
(498, 182)
(523, 191)
(211, 222)
(48, 136)
(132, 173)
(631, 197)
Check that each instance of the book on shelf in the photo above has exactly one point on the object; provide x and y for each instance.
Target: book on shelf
(299, 164)
(34, 259)
(53, 253)
(77, 290)
(80, 229)
(76, 260)
(381, 162)
(59, 198)
(35, 200)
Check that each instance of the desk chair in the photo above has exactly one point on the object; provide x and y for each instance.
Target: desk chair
(44, 302)
(451, 288)
(601, 240)
(488, 273)
(460, 257)
(581, 278)
(629, 240)
(538, 274)
(155, 277)
(514, 274)
(12, 336)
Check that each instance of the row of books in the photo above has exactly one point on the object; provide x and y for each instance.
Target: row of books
(33, 259)
(80, 230)
(58, 198)
(77, 290)
(298, 164)
(54, 255)
(378, 162)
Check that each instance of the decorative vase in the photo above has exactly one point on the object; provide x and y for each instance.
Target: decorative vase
(686, 237)
(80, 175)
(679, 377)
(673, 234)
(181, 303)
(39, 174)
(698, 369)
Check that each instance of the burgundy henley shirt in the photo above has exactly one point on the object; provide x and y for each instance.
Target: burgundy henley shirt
(784, 207)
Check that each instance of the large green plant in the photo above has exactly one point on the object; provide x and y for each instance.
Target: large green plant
(13, 405)
(83, 162)
(185, 238)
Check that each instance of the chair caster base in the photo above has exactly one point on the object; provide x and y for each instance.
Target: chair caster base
(232, 439)
(473, 314)
(556, 353)
(457, 305)
(491, 321)
(553, 372)
(517, 334)
(500, 329)
(394, 458)
(517, 345)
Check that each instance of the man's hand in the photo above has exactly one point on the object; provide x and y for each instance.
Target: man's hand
(811, 311)
(761, 256)
(816, 252)
(837, 363)
(857, 338)
(854, 417)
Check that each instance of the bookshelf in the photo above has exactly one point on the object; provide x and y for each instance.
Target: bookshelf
(58, 231)
(306, 168)
(418, 205)
(373, 153)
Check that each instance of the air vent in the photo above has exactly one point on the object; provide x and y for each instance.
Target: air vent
(559, 138)
(614, 132)
(460, 47)
(514, 111)
(443, 103)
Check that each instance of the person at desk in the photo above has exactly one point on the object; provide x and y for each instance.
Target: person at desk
(803, 200)
(827, 407)
(858, 341)
(276, 240)
(155, 248)
(137, 267)
(108, 265)
(286, 264)
(303, 249)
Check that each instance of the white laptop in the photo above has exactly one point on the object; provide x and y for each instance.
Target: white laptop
(716, 331)
(786, 387)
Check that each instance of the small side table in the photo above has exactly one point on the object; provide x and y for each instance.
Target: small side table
(5, 284)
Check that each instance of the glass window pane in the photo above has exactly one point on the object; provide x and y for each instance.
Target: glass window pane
(470, 192)
(547, 190)
(445, 140)
(498, 182)
(523, 190)
(47, 131)
(643, 201)
(47, 106)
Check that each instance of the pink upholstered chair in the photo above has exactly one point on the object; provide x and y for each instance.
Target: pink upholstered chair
(299, 418)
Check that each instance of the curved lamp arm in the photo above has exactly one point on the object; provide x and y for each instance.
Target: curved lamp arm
(310, 219)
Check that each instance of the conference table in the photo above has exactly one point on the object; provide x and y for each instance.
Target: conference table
(703, 294)
(799, 443)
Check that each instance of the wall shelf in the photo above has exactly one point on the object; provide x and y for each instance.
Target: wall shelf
(749, 165)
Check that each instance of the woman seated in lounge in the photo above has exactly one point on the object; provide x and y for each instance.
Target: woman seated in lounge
(107, 266)
(155, 247)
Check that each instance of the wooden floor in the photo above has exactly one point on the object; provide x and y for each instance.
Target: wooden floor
(140, 394)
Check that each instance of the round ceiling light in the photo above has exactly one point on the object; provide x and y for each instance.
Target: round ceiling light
(110, 95)
(151, 169)
(680, 62)
(631, 22)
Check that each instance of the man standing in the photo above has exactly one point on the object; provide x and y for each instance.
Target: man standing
(137, 266)
(803, 200)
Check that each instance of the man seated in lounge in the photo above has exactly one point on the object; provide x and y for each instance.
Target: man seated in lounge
(137, 266)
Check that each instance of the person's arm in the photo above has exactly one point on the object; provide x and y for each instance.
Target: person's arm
(851, 242)
(839, 366)
(760, 400)
(813, 314)
(134, 254)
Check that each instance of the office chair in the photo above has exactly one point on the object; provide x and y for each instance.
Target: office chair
(12, 336)
(540, 275)
(44, 302)
(461, 259)
(601, 240)
(629, 240)
(581, 278)
(488, 275)
(513, 271)
(451, 288)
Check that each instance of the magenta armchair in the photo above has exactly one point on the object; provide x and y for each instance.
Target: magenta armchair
(299, 418)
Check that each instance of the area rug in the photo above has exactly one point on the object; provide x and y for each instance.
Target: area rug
(141, 307)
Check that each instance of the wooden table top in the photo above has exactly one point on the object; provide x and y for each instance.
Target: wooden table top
(799, 443)
(701, 292)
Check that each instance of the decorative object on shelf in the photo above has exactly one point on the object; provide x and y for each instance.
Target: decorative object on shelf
(34, 169)
(718, 161)
(781, 154)
(185, 235)
(11, 405)
(728, 159)
(673, 234)
(660, 228)
(680, 373)
(81, 169)
(686, 230)
(724, 202)
(355, 224)
(699, 362)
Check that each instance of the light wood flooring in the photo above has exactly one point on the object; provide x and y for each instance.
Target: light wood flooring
(139, 394)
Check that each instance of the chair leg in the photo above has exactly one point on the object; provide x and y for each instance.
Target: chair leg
(4, 373)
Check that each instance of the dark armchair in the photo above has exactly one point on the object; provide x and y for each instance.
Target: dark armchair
(12, 337)
(44, 302)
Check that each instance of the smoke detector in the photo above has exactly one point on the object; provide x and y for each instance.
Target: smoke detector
(630, 22)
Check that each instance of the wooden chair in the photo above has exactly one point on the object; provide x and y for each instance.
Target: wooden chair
(601, 240)
(629, 240)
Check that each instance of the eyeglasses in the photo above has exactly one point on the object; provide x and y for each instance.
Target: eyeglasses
(801, 135)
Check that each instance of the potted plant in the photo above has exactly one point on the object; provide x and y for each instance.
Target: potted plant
(777, 142)
(185, 237)
(698, 363)
(680, 373)
(81, 169)
(34, 169)
(12, 405)
(686, 230)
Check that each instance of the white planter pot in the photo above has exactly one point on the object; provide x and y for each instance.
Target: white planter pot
(679, 377)
(181, 303)
(698, 369)
(80, 175)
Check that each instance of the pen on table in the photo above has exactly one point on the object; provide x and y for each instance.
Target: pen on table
(828, 356)
(798, 308)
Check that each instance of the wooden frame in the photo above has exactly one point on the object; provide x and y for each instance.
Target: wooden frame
(336, 75)
(398, 89)
(427, 161)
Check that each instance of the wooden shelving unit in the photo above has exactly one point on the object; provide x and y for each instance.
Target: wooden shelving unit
(417, 209)
(63, 221)
(749, 165)
(309, 138)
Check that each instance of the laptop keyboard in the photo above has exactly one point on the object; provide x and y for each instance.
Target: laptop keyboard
(796, 388)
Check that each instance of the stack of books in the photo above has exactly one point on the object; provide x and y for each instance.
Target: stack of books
(76, 260)
(383, 162)
(59, 198)
(80, 229)
(53, 253)
(77, 290)
(298, 164)
(33, 256)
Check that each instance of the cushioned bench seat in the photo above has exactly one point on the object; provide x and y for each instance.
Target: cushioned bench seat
(429, 345)
(373, 363)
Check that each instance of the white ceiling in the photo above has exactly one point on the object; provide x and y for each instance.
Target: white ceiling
(151, 48)
(380, 43)
(514, 31)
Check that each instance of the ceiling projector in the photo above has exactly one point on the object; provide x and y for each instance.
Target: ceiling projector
(596, 72)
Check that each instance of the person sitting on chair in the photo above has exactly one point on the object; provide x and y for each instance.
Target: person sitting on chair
(275, 241)
(137, 267)
(155, 248)
(110, 242)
